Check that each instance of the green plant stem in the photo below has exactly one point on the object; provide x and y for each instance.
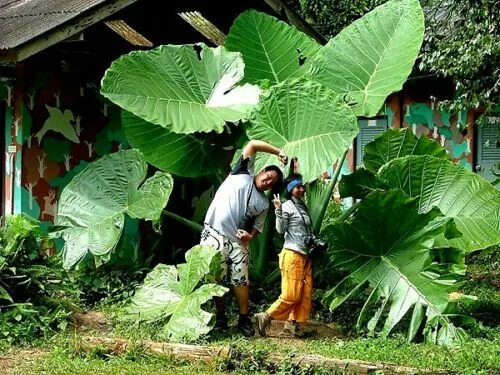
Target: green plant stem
(191, 224)
(328, 192)
(345, 215)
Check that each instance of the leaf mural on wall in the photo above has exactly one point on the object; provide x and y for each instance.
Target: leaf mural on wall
(185, 88)
(186, 155)
(170, 292)
(396, 261)
(59, 122)
(93, 205)
(306, 120)
(272, 49)
(469, 199)
(373, 56)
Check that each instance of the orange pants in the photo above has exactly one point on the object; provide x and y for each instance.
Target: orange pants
(295, 300)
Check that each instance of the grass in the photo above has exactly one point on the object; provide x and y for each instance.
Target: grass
(479, 355)
(475, 356)
(64, 356)
(60, 361)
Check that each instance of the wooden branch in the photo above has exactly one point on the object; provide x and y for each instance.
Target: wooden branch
(128, 33)
(210, 353)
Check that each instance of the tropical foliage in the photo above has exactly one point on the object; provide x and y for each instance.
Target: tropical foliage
(186, 89)
(93, 205)
(459, 42)
(441, 210)
(306, 120)
(421, 168)
(271, 49)
(471, 201)
(356, 62)
(306, 103)
(171, 293)
(397, 262)
(36, 295)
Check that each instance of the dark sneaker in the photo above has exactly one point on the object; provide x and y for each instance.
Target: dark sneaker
(263, 320)
(245, 326)
(297, 330)
(221, 322)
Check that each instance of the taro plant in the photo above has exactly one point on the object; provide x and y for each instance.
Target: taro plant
(178, 99)
(421, 168)
(93, 206)
(388, 245)
(173, 294)
(269, 78)
(405, 240)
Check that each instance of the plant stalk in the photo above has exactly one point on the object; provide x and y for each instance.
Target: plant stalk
(191, 224)
(328, 192)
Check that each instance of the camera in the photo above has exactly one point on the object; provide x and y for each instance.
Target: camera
(315, 244)
(247, 223)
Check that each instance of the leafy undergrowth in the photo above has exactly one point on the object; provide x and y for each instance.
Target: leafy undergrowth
(483, 281)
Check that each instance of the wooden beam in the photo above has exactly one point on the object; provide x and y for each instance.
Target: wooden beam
(64, 31)
(128, 33)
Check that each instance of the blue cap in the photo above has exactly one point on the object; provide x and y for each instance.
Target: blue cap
(293, 183)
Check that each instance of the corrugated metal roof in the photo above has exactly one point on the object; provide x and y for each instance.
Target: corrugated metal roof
(23, 20)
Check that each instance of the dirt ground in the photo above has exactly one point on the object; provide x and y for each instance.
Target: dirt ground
(9, 361)
(322, 330)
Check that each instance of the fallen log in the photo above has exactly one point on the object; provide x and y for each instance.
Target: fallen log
(211, 353)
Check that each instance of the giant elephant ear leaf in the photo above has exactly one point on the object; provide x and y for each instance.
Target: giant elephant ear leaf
(272, 49)
(396, 143)
(170, 292)
(92, 207)
(466, 197)
(186, 88)
(306, 120)
(186, 155)
(395, 262)
(373, 56)
(391, 144)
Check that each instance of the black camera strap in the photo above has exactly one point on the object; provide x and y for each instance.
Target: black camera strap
(248, 200)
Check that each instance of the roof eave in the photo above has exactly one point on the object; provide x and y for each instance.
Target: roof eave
(62, 32)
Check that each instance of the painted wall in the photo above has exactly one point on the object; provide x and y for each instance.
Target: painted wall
(56, 127)
(453, 131)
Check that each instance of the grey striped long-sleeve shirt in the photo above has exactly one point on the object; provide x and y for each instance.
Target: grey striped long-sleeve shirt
(295, 227)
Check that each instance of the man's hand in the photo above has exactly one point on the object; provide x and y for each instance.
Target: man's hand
(283, 158)
(277, 201)
(243, 235)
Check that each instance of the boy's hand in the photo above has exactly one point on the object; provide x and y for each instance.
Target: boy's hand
(243, 235)
(283, 158)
